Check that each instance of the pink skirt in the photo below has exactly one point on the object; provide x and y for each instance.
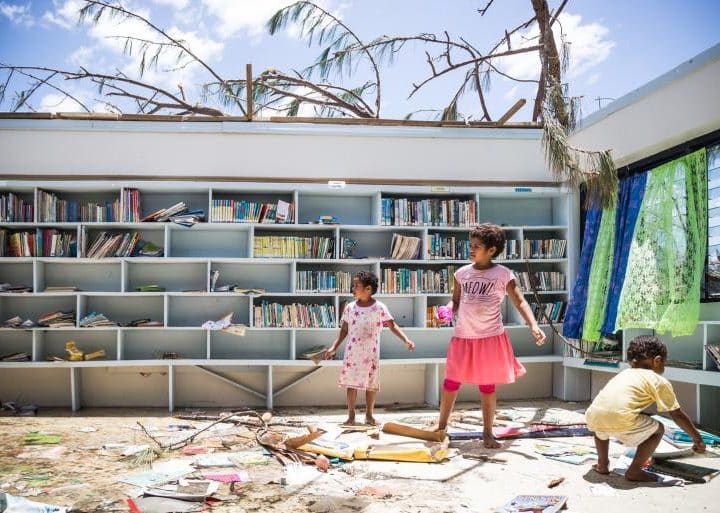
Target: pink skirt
(482, 361)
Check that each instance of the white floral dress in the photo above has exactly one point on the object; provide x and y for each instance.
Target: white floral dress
(361, 362)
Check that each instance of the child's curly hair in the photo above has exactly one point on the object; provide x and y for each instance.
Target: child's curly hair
(490, 235)
(368, 279)
(646, 346)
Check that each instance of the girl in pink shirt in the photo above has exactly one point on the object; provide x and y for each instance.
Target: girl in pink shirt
(480, 351)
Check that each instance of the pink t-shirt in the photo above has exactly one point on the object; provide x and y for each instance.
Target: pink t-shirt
(481, 296)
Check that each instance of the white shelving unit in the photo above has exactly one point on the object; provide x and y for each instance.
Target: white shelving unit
(263, 365)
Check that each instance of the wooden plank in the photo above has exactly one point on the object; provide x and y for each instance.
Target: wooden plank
(249, 91)
(393, 428)
(511, 111)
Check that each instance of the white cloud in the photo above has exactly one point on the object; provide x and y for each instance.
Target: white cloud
(589, 47)
(55, 102)
(249, 17)
(82, 56)
(175, 4)
(18, 14)
(64, 15)
(592, 79)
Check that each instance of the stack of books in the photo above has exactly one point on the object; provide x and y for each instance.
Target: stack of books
(14, 289)
(555, 311)
(404, 247)
(121, 244)
(96, 320)
(57, 319)
(714, 353)
(144, 323)
(15, 357)
(17, 322)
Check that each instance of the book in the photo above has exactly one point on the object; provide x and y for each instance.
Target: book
(686, 471)
(534, 503)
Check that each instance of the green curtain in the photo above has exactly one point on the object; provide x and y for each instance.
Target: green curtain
(667, 254)
(599, 280)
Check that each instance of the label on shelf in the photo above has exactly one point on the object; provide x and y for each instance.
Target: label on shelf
(523, 189)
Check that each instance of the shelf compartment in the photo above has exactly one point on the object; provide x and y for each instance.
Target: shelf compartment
(33, 306)
(269, 315)
(346, 208)
(352, 268)
(193, 311)
(153, 200)
(101, 196)
(516, 210)
(206, 241)
(408, 312)
(173, 276)
(312, 242)
(52, 343)
(398, 209)
(218, 216)
(689, 348)
(88, 276)
(523, 342)
(273, 277)
(152, 343)
(123, 308)
(16, 273)
(308, 338)
(154, 234)
(257, 344)
(16, 341)
(377, 243)
(428, 344)
(401, 278)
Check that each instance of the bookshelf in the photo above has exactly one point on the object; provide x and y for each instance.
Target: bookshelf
(299, 264)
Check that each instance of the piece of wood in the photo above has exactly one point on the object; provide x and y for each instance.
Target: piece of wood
(511, 111)
(484, 457)
(249, 91)
(393, 428)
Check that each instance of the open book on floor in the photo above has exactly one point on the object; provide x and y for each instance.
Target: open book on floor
(541, 503)
(686, 471)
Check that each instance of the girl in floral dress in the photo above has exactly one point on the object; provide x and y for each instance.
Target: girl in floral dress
(363, 320)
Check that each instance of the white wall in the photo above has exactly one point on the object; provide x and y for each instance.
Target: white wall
(678, 106)
(59, 148)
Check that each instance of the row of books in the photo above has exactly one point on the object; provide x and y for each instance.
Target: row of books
(272, 246)
(447, 247)
(404, 247)
(605, 348)
(131, 205)
(427, 212)
(554, 311)
(323, 281)
(295, 315)
(541, 280)
(53, 209)
(13, 209)
(545, 248)
(243, 211)
(43, 242)
(418, 281)
(121, 244)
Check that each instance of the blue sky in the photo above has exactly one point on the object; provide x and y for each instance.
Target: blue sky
(617, 45)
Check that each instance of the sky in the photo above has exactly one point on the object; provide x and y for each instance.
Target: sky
(616, 46)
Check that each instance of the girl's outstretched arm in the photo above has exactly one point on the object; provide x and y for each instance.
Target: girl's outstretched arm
(522, 306)
(400, 334)
(330, 353)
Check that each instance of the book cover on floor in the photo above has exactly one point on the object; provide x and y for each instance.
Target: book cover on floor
(534, 503)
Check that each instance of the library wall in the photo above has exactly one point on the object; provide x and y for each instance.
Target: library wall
(238, 150)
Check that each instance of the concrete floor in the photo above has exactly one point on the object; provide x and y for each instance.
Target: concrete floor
(87, 477)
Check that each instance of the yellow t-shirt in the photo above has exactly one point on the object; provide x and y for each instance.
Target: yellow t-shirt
(618, 405)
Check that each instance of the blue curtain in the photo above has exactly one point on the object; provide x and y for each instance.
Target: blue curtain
(630, 197)
(575, 315)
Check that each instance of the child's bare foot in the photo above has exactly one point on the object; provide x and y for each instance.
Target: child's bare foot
(349, 422)
(490, 442)
(370, 420)
(436, 428)
(639, 476)
(601, 468)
